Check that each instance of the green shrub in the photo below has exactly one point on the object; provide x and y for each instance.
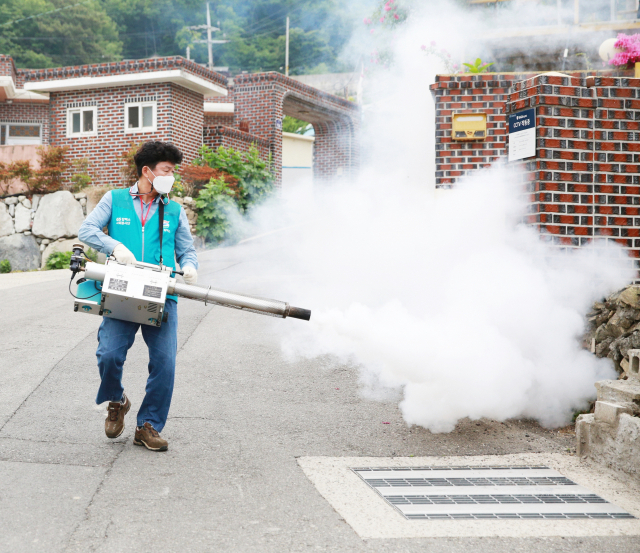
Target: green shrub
(80, 178)
(255, 179)
(5, 266)
(216, 212)
(58, 260)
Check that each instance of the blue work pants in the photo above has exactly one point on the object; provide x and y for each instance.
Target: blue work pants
(115, 337)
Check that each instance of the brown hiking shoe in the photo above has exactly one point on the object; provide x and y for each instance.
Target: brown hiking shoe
(148, 436)
(114, 423)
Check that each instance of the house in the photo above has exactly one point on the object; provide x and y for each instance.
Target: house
(97, 111)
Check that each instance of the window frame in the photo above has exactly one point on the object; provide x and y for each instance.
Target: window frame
(81, 134)
(7, 137)
(140, 105)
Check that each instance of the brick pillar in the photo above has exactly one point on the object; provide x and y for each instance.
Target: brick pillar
(465, 93)
(8, 68)
(584, 180)
(336, 152)
(258, 100)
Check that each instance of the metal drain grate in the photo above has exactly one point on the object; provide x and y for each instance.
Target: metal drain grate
(525, 493)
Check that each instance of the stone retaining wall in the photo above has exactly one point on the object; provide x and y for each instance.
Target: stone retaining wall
(32, 228)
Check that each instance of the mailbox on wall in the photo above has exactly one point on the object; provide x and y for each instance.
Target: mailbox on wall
(469, 126)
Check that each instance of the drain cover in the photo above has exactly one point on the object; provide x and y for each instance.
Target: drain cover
(486, 492)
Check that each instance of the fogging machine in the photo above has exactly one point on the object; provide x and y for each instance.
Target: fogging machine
(138, 292)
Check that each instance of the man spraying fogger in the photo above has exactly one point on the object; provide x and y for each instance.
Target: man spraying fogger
(132, 218)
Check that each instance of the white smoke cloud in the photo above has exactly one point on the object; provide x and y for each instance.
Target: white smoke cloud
(441, 297)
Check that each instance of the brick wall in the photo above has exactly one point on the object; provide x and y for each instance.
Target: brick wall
(228, 137)
(27, 112)
(179, 120)
(186, 120)
(218, 120)
(485, 93)
(585, 179)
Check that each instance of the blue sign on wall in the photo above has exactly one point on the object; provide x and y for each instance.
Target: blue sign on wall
(522, 134)
(522, 120)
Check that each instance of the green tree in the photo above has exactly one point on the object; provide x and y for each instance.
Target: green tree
(50, 33)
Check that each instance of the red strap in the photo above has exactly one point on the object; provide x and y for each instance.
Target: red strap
(143, 217)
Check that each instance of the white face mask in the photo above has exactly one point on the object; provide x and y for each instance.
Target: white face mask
(163, 184)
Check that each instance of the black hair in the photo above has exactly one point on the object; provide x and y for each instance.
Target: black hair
(151, 153)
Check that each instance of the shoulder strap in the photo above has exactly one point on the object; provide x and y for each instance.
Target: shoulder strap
(161, 219)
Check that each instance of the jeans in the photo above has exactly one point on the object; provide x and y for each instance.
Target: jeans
(115, 337)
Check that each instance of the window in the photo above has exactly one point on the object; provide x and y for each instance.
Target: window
(140, 117)
(82, 122)
(19, 133)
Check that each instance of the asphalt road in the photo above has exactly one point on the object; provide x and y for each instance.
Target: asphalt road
(240, 418)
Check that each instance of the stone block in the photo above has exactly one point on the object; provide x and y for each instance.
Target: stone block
(26, 203)
(583, 424)
(633, 370)
(35, 200)
(11, 201)
(610, 412)
(22, 252)
(22, 218)
(6, 221)
(12, 210)
(59, 215)
(58, 246)
(620, 392)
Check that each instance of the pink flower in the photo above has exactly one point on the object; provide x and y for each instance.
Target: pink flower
(433, 43)
(372, 31)
(455, 66)
(423, 47)
(382, 19)
(396, 16)
(367, 21)
(387, 7)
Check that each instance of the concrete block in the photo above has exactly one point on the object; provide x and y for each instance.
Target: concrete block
(620, 392)
(633, 372)
(583, 424)
(610, 412)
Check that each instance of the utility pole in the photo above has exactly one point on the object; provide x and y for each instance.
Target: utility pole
(209, 42)
(286, 52)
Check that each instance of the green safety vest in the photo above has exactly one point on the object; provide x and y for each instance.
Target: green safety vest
(125, 226)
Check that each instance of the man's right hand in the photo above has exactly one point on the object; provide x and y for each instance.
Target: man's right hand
(123, 255)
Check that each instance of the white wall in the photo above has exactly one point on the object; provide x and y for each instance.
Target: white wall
(297, 161)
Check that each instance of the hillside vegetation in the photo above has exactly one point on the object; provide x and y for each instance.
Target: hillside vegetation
(50, 33)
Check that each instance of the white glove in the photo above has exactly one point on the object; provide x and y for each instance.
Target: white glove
(123, 255)
(190, 275)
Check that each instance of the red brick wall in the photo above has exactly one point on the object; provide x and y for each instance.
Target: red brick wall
(234, 138)
(469, 94)
(27, 112)
(218, 120)
(179, 120)
(186, 119)
(585, 179)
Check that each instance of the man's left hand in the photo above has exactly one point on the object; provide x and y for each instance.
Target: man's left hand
(190, 275)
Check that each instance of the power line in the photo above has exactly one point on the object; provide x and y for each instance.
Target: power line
(45, 13)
